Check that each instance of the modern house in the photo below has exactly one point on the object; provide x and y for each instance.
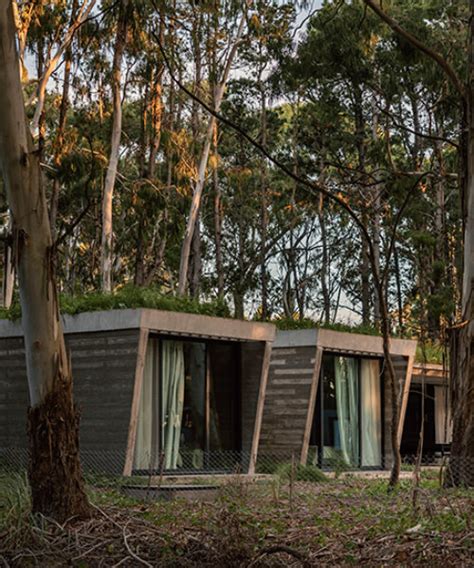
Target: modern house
(159, 391)
(428, 404)
(327, 401)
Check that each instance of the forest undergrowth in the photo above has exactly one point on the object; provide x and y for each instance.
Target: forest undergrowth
(343, 522)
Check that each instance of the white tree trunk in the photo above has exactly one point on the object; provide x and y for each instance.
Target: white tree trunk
(201, 179)
(8, 283)
(54, 471)
(84, 12)
(109, 185)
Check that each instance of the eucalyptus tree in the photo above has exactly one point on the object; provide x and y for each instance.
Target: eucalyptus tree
(54, 470)
(462, 375)
(219, 84)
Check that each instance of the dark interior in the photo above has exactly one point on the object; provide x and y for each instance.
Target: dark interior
(415, 413)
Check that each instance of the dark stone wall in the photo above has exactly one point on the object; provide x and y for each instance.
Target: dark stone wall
(251, 369)
(103, 366)
(400, 363)
(286, 401)
(13, 393)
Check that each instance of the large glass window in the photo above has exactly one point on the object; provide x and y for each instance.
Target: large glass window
(347, 427)
(190, 406)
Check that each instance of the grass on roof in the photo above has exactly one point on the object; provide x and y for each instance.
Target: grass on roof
(130, 297)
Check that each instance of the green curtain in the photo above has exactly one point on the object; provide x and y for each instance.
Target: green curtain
(371, 415)
(172, 401)
(347, 401)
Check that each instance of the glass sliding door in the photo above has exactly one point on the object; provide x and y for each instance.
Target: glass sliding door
(339, 411)
(224, 405)
(347, 405)
(200, 405)
(347, 424)
(183, 411)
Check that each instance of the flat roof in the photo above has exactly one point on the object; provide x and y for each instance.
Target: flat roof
(160, 321)
(343, 341)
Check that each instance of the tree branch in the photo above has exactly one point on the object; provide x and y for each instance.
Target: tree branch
(431, 53)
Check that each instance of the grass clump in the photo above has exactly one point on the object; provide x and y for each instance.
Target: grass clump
(288, 324)
(301, 473)
(14, 498)
(130, 297)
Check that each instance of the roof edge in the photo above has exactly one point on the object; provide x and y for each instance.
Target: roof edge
(343, 341)
(155, 320)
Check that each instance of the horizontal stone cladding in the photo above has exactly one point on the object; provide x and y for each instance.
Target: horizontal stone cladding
(400, 364)
(286, 400)
(252, 355)
(103, 366)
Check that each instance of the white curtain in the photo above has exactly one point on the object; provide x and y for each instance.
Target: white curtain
(172, 401)
(443, 423)
(347, 401)
(144, 454)
(371, 415)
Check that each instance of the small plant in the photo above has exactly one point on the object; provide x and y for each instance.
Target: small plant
(301, 473)
(14, 498)
(337, 462)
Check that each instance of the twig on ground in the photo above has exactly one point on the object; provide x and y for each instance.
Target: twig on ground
(130, 551)
(281, 548)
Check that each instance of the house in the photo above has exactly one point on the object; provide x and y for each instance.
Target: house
(159, 391)
(327, 401)
(428, 404)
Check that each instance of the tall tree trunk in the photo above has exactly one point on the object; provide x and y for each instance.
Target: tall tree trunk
(377, 217)
(107, 199)
(54, 471)
(59, 141)
(364, 260)
(324, 267)
(201, 179)
(461, 469)
(365, 281)
(263, 192)
(8, 282)
(398, 282)
(218, 217)
(196, 264)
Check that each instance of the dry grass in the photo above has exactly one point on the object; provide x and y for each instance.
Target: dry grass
(349, 522)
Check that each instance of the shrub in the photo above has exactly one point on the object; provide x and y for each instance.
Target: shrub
(302, 473)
